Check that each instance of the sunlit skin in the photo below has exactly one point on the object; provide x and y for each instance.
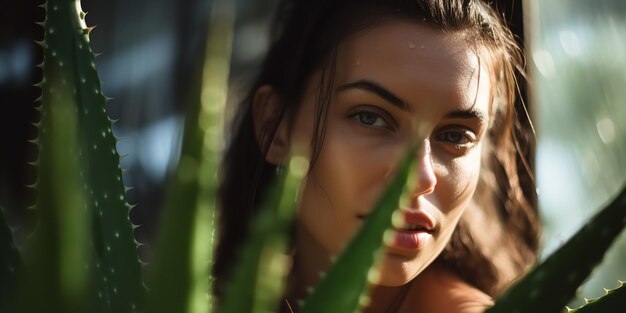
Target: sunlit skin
(391, 80)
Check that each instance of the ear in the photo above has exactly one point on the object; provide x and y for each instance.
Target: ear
(265, 110)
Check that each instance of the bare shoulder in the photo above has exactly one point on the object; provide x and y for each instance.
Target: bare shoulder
(438, 290)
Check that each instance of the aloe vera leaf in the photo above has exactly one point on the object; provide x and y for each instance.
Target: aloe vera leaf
(56, 255)
(181, 279)
(613, 301)
(344, 286)
(70, 78)
(10, 264)
(549, 286)
(261, 270)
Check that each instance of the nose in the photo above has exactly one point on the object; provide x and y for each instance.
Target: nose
(426, 179)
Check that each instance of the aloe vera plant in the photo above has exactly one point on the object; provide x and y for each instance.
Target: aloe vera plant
(553, 283)
(612, 301)
(83, 214)
(82, 257)
(182, 282)
(344, 288)
(262, 267)
(9, 265)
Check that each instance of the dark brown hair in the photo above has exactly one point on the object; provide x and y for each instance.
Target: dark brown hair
(497, 237)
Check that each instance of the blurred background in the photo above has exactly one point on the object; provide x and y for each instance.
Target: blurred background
(577, 62)
(150, 48)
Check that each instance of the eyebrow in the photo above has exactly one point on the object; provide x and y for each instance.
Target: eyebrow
(376, 88)
(382, 92)
(468, 114)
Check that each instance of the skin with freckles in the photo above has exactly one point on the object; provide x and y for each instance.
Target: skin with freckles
(412, 77)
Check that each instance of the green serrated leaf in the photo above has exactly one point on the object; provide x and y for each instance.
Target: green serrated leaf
(346, 282)
(261, 271)
(55, 257)
(10, 263)
(612, 302)
(71, 89)
(549, 286)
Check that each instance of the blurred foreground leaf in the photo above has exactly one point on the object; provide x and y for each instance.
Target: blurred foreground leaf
(180, 280)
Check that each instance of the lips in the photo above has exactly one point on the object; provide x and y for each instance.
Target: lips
(411, 220)
(413, 230)
(417, 220)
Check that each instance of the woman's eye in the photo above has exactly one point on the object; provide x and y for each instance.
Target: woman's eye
(460, 138)
(370, 119)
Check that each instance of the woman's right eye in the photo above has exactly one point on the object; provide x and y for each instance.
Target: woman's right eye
(371, 119)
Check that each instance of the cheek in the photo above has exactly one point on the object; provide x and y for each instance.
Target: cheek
(349, 175)
(456, 180)
(341, 185)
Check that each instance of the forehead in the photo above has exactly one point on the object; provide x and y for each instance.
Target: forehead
(421, 65)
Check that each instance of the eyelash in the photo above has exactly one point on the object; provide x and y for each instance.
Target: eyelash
(467, 135)
(362, 112)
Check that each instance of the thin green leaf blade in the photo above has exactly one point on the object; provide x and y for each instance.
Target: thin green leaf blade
(613, 301)
(10, 264)
(71, 88)
(55, 257)
(549, 286)
(261, 270)
(343, 287)
(180, 280)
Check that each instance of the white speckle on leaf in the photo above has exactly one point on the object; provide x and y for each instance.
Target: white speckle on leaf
(364, 300)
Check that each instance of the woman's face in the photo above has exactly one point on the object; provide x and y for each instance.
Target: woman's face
(389, 79)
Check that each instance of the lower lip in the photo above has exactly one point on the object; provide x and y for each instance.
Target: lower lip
(410, 240)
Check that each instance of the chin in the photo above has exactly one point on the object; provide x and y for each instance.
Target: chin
(398, 269)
